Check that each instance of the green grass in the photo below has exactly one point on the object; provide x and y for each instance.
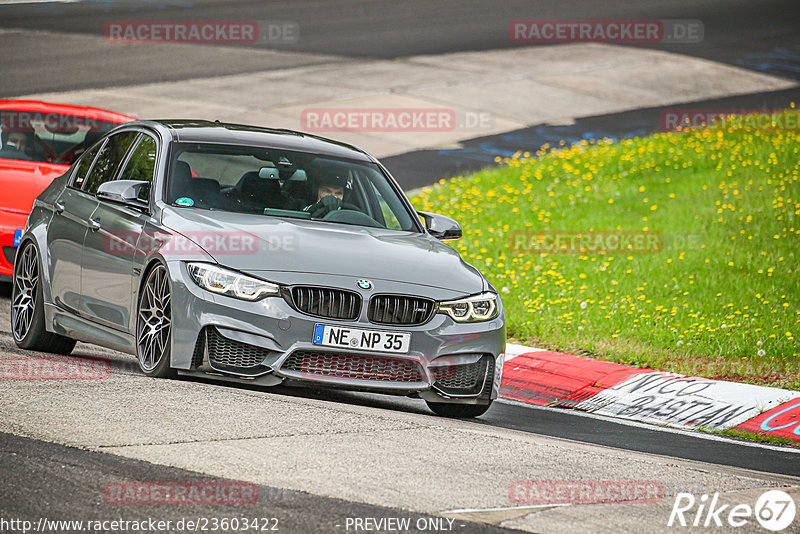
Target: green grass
(752, 436)
(719, 300)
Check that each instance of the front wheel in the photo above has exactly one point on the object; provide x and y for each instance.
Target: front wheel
(460, 411)
(27, 308)
(154, 324)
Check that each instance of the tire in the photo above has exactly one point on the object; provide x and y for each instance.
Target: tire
(460, 411)
(154, 324)
(27, 308)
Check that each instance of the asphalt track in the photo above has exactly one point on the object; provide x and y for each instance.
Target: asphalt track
(576, 426)
(63, 483)
(560, 423)
(759, 35)
(423, 167)
(736, 31)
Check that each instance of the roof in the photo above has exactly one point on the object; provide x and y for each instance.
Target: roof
(202, 131)
(37, 106)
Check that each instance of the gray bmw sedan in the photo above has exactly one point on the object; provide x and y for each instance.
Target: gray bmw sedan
(256, 255)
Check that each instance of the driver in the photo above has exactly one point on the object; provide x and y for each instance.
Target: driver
(21, 142)
(328, 191)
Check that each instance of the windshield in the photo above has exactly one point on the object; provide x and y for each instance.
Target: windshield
(283, 183)
(48, 137)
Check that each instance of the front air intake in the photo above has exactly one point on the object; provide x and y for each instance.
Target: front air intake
(227, 353)
(353, 366)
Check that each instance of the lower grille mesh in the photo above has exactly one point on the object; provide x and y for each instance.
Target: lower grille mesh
(228, 353)
(354, 366)
(458, 376)
(464, 379)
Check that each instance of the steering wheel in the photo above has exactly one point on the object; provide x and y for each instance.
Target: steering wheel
(348, 206)
(49, 154)
(352, 217)
(69, 155)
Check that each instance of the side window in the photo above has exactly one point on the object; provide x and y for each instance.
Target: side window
(141, 165)
(83, 168)
(108, 160)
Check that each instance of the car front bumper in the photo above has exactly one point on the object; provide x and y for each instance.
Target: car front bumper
(11, 226)
(446, 360)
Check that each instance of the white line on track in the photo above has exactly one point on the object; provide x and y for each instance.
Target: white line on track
(526, 507)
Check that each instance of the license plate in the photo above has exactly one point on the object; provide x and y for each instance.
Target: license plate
(17, 237)
(356, 338)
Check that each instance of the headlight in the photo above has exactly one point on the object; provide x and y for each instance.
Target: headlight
(471, 309)
(225, 282)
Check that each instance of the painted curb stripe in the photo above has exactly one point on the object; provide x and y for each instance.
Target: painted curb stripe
(782, 421)
(655, 397)
(559, 379)
(685, 401)
(513, 350)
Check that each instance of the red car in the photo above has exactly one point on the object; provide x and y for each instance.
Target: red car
(38, 142)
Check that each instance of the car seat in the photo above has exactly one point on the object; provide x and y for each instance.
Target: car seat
(255, 193)
(203, 191)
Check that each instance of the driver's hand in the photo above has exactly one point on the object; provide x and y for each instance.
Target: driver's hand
(324, 206)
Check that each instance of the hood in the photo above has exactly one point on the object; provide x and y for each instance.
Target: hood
(22, 181)
(267, 246)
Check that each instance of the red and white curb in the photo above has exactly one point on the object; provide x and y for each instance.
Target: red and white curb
(549, 378)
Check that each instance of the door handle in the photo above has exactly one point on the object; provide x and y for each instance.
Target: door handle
(59, 206)
(94, 224)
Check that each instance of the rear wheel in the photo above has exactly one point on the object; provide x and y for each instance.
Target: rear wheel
(27, 308)
(448, 409)
(154, 324)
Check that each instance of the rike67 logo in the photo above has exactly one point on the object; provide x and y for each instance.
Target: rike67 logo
(774, 510)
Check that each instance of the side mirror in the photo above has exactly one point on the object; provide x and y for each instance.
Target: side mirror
(441, 227)
(127, 192)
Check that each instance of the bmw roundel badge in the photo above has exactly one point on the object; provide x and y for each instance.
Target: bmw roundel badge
(364, 284)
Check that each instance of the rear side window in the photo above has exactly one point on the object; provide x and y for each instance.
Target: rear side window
(108, 160)
(142, 163)
(83, 168)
